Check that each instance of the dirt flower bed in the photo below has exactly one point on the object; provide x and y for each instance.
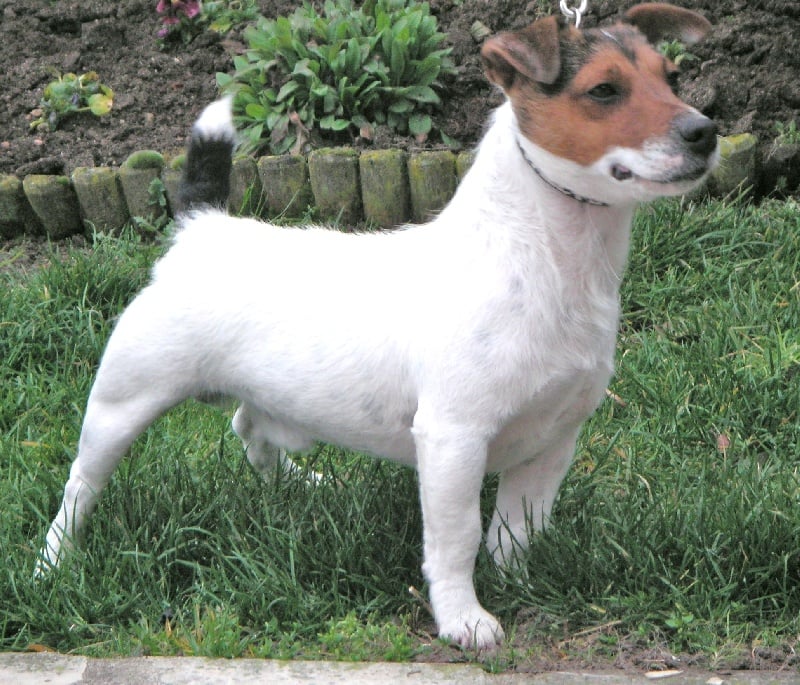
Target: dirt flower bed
(744, 75)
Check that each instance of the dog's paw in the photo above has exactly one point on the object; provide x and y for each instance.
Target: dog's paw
(45, 564)
(473, 628)
(41, 570)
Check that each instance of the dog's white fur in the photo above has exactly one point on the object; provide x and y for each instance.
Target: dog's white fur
(478, 342)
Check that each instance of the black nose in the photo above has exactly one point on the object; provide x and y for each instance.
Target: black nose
(698, 132)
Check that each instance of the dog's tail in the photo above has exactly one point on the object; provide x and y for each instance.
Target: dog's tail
(206, 175)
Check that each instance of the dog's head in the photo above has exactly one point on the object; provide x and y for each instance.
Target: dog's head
(598, 110)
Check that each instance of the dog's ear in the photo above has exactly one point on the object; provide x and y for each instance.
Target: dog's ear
(659, 20)
(532, 52)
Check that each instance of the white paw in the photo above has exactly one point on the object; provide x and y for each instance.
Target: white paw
(472, 628)
(55, 546)
(47, 561)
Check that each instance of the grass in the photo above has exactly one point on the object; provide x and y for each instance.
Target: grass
(677, 526)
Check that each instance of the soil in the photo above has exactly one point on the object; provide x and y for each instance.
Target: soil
(745, 76)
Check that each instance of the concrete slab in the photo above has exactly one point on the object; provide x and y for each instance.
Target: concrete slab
(56, 669)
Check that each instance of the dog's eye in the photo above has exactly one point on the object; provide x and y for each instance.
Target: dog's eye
(604, 93)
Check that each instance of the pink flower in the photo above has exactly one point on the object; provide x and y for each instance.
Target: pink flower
(191, 8)
(172, 12)
(170, 9)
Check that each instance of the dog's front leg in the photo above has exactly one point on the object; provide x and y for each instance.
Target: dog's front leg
(451, 462)
(525, 496)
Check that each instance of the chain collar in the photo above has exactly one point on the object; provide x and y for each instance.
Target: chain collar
(561, 189)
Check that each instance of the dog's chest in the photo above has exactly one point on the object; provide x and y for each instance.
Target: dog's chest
(570, 352)
(550, 419)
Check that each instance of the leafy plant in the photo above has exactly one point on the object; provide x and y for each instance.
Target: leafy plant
(70, 94)
(345, 72)
(676, 51)
(787, 132)
(157, 221)
(348, 639)
(224, 15)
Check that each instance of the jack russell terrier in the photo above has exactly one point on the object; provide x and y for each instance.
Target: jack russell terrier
(486, 336)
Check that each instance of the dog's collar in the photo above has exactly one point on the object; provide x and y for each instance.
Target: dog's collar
(561, 189)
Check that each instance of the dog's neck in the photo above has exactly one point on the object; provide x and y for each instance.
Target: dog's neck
(501, 177)
(572, 195)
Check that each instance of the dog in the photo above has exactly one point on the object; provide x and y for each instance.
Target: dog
(483, 339)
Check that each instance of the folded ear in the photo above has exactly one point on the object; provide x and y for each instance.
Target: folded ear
(532, 52)
(659, 20)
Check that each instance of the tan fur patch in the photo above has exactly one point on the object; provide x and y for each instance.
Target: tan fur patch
(575, 126)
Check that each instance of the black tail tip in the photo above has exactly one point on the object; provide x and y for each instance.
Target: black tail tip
(206, 176)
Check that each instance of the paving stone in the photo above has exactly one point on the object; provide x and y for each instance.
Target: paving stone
(335, 184)
(432, 179)
(16, 214)
(384, 187)
(737, 167)
(55, 204)
(285, 185)
(100, 197)
(136, 174)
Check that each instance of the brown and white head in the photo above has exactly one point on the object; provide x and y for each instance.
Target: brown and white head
(597, 110)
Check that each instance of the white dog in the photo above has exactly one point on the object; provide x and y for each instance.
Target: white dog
(478, 342)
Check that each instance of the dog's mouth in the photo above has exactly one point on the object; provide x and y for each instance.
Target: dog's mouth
(621, 173)
(662, 163)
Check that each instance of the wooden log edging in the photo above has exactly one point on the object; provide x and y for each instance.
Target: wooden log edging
(381, 187)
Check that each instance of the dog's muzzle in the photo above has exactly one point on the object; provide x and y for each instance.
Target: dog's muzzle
(697, 133)
(694, 138)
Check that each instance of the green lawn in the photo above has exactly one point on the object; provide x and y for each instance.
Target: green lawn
(678, 525)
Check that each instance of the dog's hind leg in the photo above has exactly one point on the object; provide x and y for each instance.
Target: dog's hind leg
(136, 381)
(261, 435)
(133, 387)
(262, 455)
(109, 428)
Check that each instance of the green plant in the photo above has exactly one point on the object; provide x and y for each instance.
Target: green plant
(224, 15)
(158, 219)
(676, 51)
(69, 94)
(787, 132)
(348, 639)
(679, 621)
(344, 72)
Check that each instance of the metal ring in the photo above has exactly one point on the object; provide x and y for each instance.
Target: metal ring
(574, 12)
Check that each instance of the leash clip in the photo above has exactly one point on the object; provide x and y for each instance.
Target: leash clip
(575, 13)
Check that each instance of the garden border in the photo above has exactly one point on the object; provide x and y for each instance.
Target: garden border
(381, 187)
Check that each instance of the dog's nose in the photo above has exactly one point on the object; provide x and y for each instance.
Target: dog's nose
(698, 132)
